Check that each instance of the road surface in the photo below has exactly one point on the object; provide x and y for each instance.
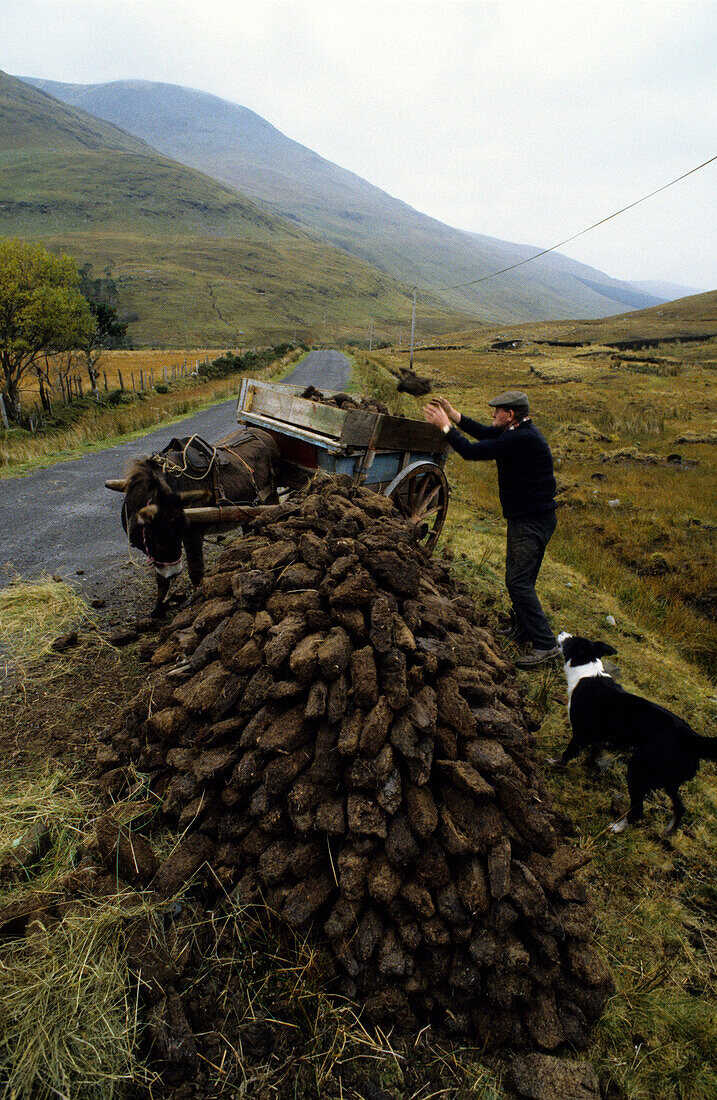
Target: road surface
(63, 522)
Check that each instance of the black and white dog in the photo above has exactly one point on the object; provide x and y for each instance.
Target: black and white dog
(666, 752)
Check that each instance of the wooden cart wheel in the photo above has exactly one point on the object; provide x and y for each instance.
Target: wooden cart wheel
(420, 492)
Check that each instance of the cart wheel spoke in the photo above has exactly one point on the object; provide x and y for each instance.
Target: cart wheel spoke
(425, 491)
(401, 505)
(430, 495)
(421, 495)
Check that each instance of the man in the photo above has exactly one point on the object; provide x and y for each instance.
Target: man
(526, 487)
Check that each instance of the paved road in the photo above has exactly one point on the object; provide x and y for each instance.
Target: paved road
(328, 370)
(61, 519)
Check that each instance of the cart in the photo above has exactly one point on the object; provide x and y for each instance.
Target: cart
(397, 456)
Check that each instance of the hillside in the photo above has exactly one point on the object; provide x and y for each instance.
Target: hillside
(237, 146)
(687, 320)
(668, 291)
(194, 260)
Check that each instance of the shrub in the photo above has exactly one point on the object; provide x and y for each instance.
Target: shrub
(235, 364)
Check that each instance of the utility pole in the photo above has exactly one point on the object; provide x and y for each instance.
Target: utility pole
(413, 327)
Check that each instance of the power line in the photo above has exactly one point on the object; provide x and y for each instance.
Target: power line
(474, 282)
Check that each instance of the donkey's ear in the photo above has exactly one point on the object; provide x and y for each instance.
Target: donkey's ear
(148, 513)
(602, 649)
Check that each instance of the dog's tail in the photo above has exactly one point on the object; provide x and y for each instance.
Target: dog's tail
(706, 747)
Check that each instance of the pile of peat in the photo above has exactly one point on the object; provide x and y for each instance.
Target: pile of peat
(346, 401)
(335, 730)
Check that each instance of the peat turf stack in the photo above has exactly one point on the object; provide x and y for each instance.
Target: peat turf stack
(336, 725)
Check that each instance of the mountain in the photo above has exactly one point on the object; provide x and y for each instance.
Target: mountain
(668, 292)
(193, 258)
(238, 147)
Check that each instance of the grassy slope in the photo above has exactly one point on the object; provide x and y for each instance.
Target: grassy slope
(237, 146)
(179, 244)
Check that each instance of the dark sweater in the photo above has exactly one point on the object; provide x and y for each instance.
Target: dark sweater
(526, 485)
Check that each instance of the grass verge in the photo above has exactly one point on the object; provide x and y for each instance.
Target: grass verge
(100, 426)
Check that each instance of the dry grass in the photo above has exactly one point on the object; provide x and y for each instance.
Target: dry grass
(31, 617)
(68, 1019)
(67, 1024)
(99, 426)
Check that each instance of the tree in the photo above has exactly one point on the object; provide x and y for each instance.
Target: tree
(41, 312)
(108, 330)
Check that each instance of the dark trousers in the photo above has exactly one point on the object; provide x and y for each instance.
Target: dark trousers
(525, 549)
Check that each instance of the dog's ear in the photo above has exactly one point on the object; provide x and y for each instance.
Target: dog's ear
(602, 649)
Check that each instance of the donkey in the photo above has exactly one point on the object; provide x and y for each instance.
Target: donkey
(241, 469)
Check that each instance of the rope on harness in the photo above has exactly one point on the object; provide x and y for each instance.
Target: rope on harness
(170, 467)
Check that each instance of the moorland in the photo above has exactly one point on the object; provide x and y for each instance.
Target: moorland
(629, 406)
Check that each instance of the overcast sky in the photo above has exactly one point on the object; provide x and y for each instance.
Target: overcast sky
(526, 120)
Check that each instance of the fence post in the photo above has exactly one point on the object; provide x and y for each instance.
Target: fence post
(121, 381)
(104, 374)
(133, 380)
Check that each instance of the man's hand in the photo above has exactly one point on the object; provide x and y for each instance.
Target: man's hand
(434, 414)
(444, 404)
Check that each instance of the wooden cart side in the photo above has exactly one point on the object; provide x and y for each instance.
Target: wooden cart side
(397, 433)
(284, 406)
(350, 428)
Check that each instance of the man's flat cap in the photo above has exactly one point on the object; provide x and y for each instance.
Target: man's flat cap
(511, 399)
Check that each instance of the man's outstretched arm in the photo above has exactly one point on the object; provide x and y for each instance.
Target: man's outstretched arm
(442, 414)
